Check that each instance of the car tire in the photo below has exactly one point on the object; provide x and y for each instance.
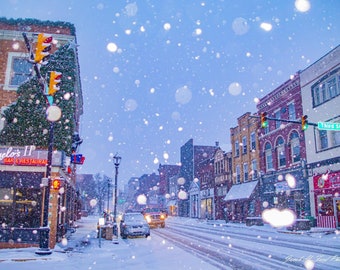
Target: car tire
(163, 225)
(124, 236)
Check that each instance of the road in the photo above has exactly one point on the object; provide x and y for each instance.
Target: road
(240, 247)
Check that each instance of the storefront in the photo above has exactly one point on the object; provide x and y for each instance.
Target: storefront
(207, 204)
(242, 201)
(327, 199)
(22, 170)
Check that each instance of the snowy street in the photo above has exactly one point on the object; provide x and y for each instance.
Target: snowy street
(226, 246)
(134, 253)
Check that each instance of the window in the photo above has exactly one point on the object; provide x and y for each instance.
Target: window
(326, 89)
(281, 154)
(269, 157)
(237, 148)
(336, 138)
(238, 174)
(295, 147)
(245, 172)
(277, 116)
(252, 141)
(244, 145)
(291, 111)
(18, 70)
(323, 139)
(254, 168)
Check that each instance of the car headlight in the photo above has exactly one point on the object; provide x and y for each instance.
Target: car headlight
(148, 219)
(162, 216)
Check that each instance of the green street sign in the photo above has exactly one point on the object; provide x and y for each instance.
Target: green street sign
(328, 126)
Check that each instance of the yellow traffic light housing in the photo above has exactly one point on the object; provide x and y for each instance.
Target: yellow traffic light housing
(264, 120)
(55, 80)
(304, 122)
(42, 48)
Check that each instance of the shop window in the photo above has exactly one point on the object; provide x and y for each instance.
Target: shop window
(20, 207)
(325, 205)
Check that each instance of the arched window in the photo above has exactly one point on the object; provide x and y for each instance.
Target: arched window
(295, 147)
(281, 153)
(269, 157)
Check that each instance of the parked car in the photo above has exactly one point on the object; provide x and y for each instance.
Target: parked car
(134, 224)
(155, 217)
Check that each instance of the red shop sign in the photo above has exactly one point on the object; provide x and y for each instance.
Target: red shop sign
(327, 180)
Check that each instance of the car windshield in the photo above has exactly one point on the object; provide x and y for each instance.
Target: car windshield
(170, 134)
(134, 218)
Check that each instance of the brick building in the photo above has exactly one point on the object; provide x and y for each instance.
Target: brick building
(243, 197)
(283, 150)
(24, 175)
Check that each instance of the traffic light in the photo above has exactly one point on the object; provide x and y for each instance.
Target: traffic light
(56, 184)
(304, 122)
(55, 79)
(264, 120)
(42, 48)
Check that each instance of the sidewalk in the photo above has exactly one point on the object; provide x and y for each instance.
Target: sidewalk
(86, 230)
(267, 227)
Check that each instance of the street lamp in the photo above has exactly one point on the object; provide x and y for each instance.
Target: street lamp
(116, 160)
(108, 197)
(53, 114)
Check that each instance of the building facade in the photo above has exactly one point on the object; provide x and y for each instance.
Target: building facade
(283, 150)
(320, 87)
(223, 181)
(28, 167)
(243, 197)
(191, 156)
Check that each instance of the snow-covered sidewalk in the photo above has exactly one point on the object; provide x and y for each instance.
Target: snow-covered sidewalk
(86, 229)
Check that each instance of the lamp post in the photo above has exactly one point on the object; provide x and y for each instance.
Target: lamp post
(116, 160)
(53, 114)
(108, 197)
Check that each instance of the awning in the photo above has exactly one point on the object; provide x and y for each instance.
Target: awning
(171, 203)
(241, 191)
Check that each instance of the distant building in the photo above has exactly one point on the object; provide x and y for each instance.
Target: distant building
(169, 197)
(320, 87)
(191, 156)
(223, 181)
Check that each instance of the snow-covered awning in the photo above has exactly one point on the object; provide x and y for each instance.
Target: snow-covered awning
(171, 203)
(241, 191)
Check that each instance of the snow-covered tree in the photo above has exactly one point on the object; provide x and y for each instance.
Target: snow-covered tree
(26, 122)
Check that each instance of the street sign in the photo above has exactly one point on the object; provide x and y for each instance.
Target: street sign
(328, 126)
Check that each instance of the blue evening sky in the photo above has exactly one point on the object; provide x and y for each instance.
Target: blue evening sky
(156, 73)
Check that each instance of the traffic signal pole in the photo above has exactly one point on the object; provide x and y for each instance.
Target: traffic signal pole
(44, 230)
